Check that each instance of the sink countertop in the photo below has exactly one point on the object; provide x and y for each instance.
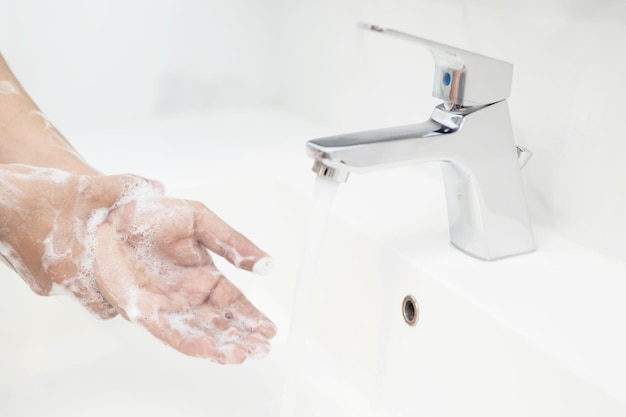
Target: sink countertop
(564, 298)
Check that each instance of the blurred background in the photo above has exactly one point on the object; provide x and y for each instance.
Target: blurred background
(96, 65)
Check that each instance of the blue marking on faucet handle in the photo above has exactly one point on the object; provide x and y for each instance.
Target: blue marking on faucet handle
(446, 79)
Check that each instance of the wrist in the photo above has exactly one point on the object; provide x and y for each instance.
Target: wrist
(27, 137)
(30, 139)
(22, 225)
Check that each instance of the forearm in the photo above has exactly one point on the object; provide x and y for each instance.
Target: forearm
(21, 235)
(26, 136)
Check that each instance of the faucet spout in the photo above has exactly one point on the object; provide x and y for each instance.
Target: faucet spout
(487, 210)
(374, 150)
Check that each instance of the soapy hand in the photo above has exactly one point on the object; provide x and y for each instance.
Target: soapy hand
(48, 220)
(153, 266)
(116, 244)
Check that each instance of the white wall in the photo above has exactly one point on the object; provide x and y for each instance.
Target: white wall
(91, 64)
(567, 102)
(98, 63)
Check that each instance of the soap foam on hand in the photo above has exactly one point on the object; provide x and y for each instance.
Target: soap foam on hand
(263, 266)
(81, 254)
(182, 299)
(161, 276)
(136, 252)
(8, 88)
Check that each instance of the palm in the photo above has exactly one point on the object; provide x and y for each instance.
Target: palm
(153, 266)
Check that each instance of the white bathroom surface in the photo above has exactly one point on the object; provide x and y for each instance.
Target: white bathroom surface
(553, 317)
(565, 298)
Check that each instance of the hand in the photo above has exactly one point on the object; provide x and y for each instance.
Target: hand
(48, 220)
(152, 264)
(115, 244)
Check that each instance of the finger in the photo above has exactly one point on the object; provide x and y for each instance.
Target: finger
(157, 185)
(258, 347)
(208, 331)
(187, 335)
(184, 251)
(220, 238)
(231, 354)
(233, 344)
(266, 327)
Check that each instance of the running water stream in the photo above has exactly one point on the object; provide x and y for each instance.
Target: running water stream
(325, 191)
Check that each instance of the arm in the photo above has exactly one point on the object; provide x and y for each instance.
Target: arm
(117, 244)
(26, 136)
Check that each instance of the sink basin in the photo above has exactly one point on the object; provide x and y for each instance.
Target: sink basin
(463, 360)
(535, 335)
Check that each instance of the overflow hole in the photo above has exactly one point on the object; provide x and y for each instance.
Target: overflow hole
(410, 310)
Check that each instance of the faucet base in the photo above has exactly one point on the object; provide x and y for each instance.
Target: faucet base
(487, 210)
(510, 255)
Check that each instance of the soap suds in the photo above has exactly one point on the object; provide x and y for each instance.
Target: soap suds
(259, 266)
(263, 266)
(223, 322)
(84, 285)
(37, 113)
(219, 323)
(67, 255)
(8, 88)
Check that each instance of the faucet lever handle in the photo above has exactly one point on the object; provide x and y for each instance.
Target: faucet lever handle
(461, 77)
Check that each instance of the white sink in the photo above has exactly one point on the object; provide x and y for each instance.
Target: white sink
(536, 335)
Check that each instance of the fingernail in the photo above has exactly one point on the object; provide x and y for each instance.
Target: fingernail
(263, 266)
(266, 328)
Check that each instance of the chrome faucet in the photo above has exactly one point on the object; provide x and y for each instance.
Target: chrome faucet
(471, 133)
